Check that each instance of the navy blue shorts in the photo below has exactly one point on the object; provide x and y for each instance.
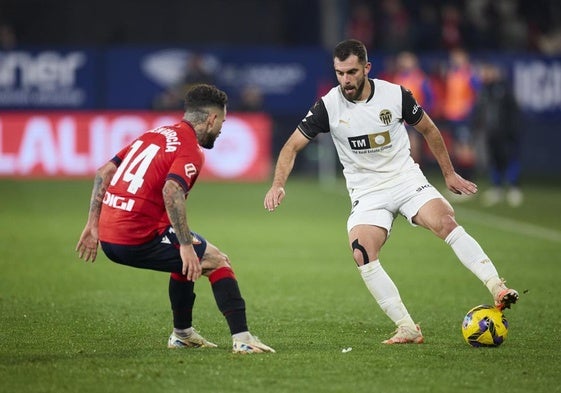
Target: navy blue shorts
(160, 254)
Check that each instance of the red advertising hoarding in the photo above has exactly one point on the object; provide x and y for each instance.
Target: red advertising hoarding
(75, 144)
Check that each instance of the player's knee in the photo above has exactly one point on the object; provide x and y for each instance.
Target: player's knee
(360, 254)
(213, 261)
(447, 225)
(358, 257)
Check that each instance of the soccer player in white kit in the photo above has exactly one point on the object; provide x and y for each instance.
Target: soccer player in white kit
(365, 119)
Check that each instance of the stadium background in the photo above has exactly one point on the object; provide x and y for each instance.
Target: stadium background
(65, 65)
(74, 74)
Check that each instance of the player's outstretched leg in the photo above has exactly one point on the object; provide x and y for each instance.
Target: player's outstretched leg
(472, 256)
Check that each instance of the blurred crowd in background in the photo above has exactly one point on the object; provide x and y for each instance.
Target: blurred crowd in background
(506, 25)
(384, 25)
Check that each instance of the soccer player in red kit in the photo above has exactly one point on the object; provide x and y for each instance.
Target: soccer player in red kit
(137, 213)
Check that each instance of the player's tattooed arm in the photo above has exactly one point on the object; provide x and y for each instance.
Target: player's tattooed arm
(174, 201)
(98, 192)
(101, 182)
(89, 239)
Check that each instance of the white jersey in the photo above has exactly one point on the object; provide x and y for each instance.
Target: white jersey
(370, 137)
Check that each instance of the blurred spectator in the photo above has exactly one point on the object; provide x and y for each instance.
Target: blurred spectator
(460, 94)
(410, 75)
(484, 19)
(542, 18)
(390, 25)
(512, 25)
(8, 40)
(497, 115)
(169, 99)
(513, 28)
(196, 71)
(251, 99)
(550, 44)
(394, 24)
(361, 25)
(426, 33)
(452, 27)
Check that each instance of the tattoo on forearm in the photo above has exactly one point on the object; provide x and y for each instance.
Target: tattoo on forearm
(174, 200)
(98, 193)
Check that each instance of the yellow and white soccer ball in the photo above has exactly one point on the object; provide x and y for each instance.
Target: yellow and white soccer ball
(485, 326)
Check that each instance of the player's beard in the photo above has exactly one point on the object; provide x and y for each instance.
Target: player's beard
(208, 141)
(357, 93)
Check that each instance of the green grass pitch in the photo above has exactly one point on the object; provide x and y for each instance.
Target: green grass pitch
(70, 326)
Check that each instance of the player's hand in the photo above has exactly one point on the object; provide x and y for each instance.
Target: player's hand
(459, 185)
(191, 265)
(274, 197)
(87, 245)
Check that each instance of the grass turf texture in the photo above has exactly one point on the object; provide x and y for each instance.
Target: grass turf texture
(69, 326)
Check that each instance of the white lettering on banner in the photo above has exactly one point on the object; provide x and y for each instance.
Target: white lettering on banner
(271, 78)
(7, 161)
(46, 71)
(124, 129)
(234, 151)
(46, 79)
(38, 146)
(71, 162)
(76, 144)
(98, 142)
(537, 85)
(62, 97)
(50, 144)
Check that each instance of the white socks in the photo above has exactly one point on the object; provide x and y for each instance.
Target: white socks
(468, 251)
(385, 292)
(472, 256)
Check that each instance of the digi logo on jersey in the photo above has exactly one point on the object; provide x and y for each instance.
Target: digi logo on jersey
(118, 202)
(371, 141)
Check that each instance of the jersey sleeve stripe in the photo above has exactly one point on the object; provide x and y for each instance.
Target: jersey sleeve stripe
(179, 180)
(304, 133)
(116, 160)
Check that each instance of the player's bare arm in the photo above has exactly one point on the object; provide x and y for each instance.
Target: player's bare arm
(432, 135)
(174, 200)
(284, 166)
(89, 240)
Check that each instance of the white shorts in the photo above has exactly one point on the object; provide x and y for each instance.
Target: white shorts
(380, 207)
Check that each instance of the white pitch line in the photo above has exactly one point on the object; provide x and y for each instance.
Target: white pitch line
(509, 225)
(490, 220)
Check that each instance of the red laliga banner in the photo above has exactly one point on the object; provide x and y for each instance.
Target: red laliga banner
(75, 144)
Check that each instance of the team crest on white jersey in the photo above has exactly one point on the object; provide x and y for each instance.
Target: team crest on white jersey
(385, 116)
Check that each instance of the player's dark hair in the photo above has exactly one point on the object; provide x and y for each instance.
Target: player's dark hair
(346, 48)
(202, 96)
